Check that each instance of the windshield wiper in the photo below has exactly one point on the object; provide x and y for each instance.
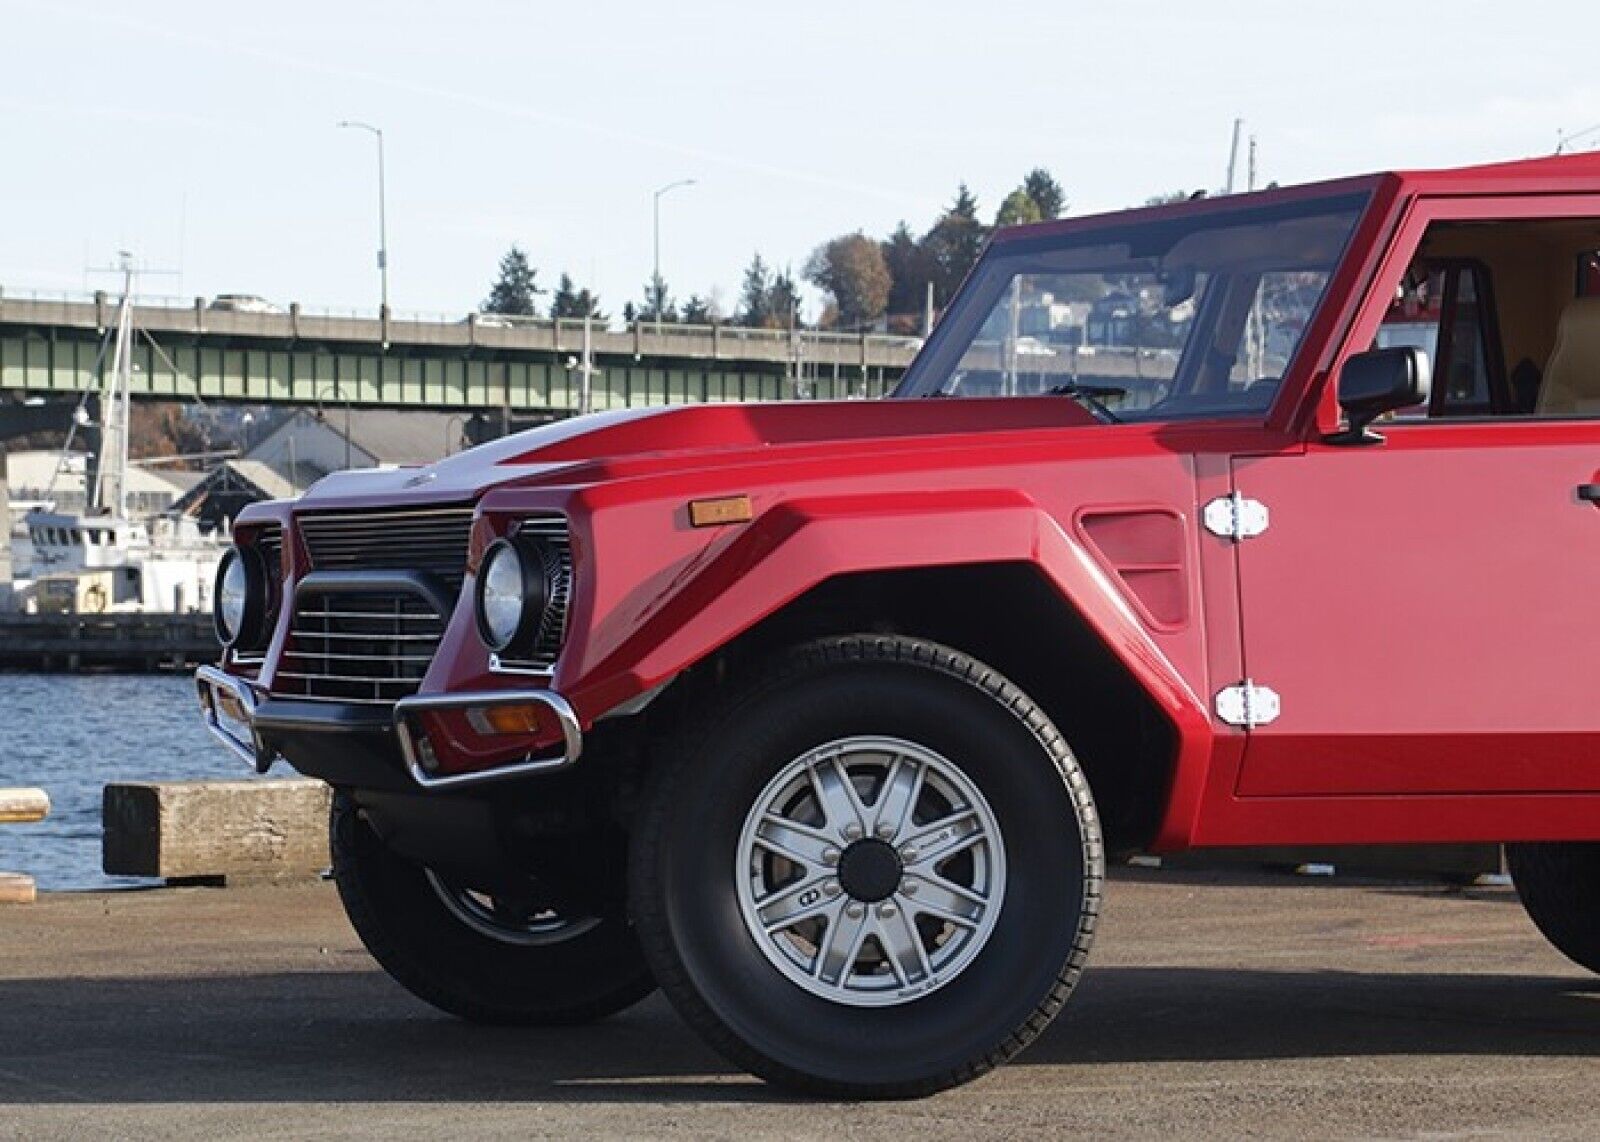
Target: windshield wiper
(1092, 397)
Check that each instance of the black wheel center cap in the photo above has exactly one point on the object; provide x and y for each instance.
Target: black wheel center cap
(870, 870)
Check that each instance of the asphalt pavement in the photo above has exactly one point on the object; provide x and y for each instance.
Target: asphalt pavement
(1216, 1005)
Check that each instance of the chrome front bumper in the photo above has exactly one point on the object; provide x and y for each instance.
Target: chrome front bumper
(411, 744)
(230, 707)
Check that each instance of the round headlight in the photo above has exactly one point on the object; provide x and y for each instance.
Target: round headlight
(240, 597)
(511, 595)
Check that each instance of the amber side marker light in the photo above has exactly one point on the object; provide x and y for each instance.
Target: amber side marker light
(491, 721)
(726, 509)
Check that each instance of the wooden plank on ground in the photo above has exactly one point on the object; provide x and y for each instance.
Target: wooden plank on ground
(16, 888)
(23, 806)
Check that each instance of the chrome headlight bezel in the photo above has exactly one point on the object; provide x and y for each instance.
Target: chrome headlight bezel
(509, 612)
(239, 597)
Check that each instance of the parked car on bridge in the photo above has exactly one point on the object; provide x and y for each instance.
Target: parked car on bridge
(826, 718)
(243, 303)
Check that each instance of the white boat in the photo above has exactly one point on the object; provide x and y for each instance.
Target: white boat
(166, 564)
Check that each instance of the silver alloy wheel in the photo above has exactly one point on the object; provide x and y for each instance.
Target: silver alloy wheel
(481, 912)
(871, 871)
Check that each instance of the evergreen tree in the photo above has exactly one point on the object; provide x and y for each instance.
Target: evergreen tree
(954, 244)
(755, 295)
(570, 302)
(514, 290)
(1046, 192)
(589, 305)
(564, 301)
(783, 301)
(658, 304)
(910, 271)
(697, 311)
(1017, 210)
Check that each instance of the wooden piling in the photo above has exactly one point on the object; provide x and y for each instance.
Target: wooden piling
(21, 807)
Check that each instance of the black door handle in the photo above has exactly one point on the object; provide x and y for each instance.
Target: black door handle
(1590, 492)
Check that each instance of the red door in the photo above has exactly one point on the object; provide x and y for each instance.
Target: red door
(1428, 612)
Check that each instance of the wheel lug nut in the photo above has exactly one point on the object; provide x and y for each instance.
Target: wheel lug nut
(886, 911)
(855, 911)
(832, 888)
(908, 854)
(830, 856)
(909, 888)
(885, 830)
(852, 832)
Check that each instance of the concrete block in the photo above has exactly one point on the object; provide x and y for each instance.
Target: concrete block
(228, 830)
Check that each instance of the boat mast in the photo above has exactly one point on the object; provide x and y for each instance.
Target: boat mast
(111, 466)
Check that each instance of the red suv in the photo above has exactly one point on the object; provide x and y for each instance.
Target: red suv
(824, 718)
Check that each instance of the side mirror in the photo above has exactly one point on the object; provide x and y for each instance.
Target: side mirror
(1380, 381)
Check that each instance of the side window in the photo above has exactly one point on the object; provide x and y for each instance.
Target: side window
(1509, 313)
(1446, 309)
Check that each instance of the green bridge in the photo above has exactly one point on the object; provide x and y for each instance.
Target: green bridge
(52, 345)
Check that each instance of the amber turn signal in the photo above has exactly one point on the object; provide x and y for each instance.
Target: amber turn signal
(494, 720)
(726, 509)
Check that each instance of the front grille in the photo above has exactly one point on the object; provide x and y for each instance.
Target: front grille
(364, 647)
(269, 541)
(551, 531)
(433, 540)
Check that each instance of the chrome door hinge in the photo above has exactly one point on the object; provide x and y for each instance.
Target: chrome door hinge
(1236, 518)
(1248, 704)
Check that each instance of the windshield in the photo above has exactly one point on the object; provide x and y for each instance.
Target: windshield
(1173, 318)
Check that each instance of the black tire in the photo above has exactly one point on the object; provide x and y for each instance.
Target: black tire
(1559, 884)
(685, 898)
(432, 953)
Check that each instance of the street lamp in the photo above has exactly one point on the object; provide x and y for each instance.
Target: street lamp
(383, 229)
(655, 279)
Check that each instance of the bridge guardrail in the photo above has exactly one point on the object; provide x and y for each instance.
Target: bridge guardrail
(200, 311)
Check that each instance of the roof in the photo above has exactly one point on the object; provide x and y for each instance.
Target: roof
(263, 478)
(271, 483)
(389, 436)
(1574, 173)
(397, 436)
(1578, 171)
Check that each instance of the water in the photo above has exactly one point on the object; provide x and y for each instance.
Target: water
(71, 735)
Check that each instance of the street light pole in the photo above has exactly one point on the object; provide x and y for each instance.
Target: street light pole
(383, 224)
(655, 277)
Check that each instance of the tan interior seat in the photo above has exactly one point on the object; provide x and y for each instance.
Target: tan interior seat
(1571, 384)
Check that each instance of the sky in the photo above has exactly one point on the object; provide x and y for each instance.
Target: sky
(202, 136)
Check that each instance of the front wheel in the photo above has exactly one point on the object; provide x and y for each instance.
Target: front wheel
(875, 873)
(1559, 884)
(486, 957)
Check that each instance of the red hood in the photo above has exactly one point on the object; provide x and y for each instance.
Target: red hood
(696, 433)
